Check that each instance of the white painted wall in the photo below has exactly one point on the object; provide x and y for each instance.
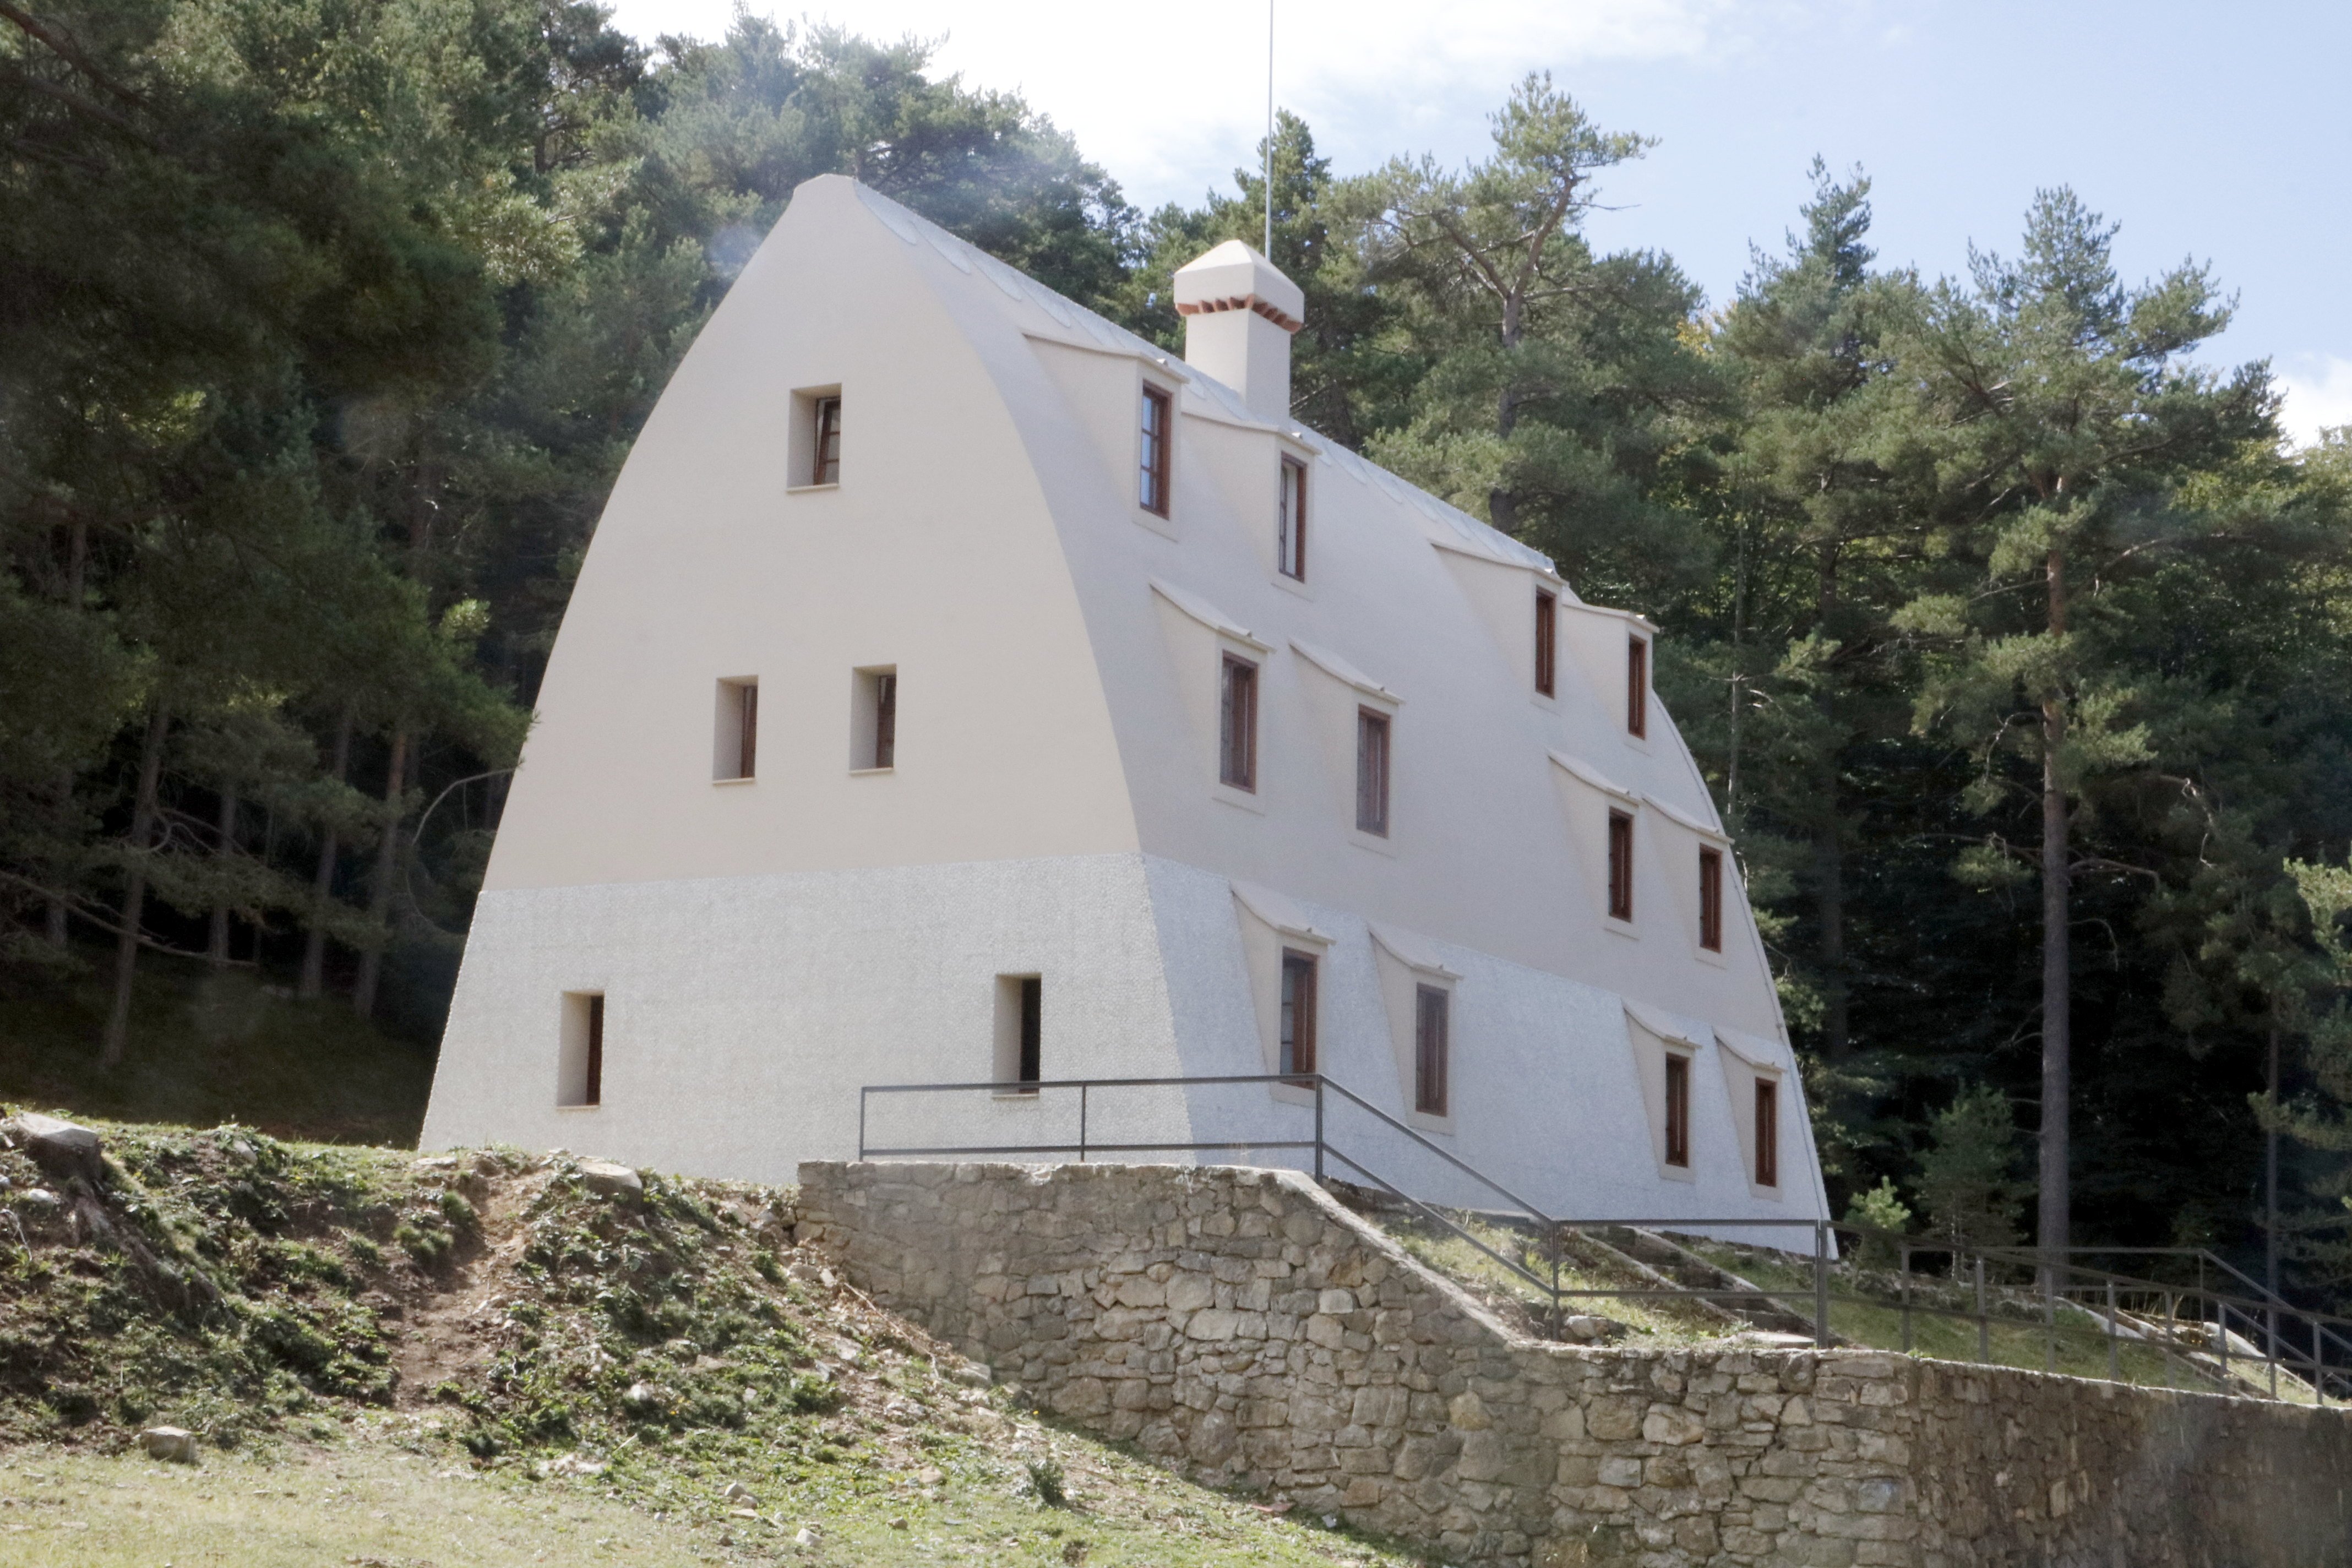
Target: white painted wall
(772, 944)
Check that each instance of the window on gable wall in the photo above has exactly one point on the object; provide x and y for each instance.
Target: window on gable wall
(737, 754)
(1547, 640)
(1710, 899)
(1767, 1132)
(1637, 686)
(1158, 410)
(1620, 865)
(828, 442)
(1298, 1011)
(1371, 772)
(1237, 725)
(1432, 1024)
(1290, 522)
(1677, 1108)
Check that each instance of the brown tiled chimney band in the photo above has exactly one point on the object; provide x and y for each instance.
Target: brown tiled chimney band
(1241, 302)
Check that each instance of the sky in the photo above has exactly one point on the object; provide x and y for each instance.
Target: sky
(2211, 132)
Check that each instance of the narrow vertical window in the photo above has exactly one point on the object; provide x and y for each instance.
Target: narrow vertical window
(1032, 1029)
(874, 720)
(1237, 726)
(1547, 640)
(1158, 408)
(1637, 686)
(1297, 1012)
(580, 1066)
(826, 469)
(1768, 1133)
(747, 752)
(736, 755)
(1677, 1108)
(1430, 1026)
(1620, 865)
(1371, 772)
(1290, 524)
(1710, 899)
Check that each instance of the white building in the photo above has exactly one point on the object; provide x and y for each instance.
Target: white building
(960, 689)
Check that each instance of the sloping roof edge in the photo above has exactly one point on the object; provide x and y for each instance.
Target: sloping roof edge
(1340, 669)
(1666, 1026)
(1208, 615)
(1590, 775)
(1276, 911)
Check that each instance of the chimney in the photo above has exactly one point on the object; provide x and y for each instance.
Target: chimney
(1239, 313)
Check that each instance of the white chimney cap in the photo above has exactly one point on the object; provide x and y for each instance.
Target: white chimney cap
(1232, 277)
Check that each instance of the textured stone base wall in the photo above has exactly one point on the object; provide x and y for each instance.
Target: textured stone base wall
(1241, 1324)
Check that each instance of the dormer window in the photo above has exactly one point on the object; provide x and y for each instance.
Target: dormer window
(1710, 899)
(1637, 686)
(1547, 641)
(1290, 522)
(1158, 430)
(1237, 725)
(1620, 865)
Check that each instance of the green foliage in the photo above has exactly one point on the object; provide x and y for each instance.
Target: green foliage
(1969, 1185)
(1048, 1482)
(1879, 1208)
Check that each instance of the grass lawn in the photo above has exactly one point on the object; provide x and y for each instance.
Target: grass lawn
(369, 1501)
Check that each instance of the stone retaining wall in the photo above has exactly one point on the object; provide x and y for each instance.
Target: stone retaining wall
(1242, 1324)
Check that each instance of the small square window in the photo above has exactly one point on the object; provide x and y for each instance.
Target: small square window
(874, 719)
(1159, 434)
(1371, 772)
(1237, 725)
(1290, 522)
(1620, 865)
(1677, 1108)
(1547, 641)
(736, 751)
(580, 1060)
(1637, 686)
(1298, 1011)
(1432, 1024)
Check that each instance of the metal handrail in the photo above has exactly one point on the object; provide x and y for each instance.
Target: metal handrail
(2106, 1290)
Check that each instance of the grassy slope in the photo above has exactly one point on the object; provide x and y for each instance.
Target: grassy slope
(460, 1338)
(207, 1047)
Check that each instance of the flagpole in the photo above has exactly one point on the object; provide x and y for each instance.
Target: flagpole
(1269, 130)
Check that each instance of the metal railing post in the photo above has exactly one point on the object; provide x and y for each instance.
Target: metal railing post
(1319, 1130)
(861, 1124)
(1984, 1322)
(1821, 1285)
(2050, 1318)
(2318, 1368)
(2220, 1334)
(2111, 1331)
(1903, 1273)
(1082, 1124)
(2270, 1347)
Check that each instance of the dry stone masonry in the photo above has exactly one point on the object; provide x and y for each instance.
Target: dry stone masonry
(1242, 1324)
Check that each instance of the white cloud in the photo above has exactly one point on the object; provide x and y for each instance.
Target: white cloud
(2318, 396)
(1171, 101)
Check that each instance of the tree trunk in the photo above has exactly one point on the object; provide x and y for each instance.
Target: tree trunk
(322, 884)
(77, 578)
(387, 863)
(1829, 908)
(134, 894)
(2057, 1017)
(217, 947)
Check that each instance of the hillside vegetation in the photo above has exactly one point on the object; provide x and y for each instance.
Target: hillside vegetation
(372, 1347)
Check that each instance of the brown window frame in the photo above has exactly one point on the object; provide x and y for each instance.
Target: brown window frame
(1679, 1068)
(1432, 1032)
(1158, 437)
(1710, 898)
(1238, 723)
(1620, 865)
(1375, 735)
(824, 468)
(1767, 1132)
(1547, 642)
(1290, 522)
(592, 1087)
(1294, 1032)
(886, 719)
(1637, 686)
